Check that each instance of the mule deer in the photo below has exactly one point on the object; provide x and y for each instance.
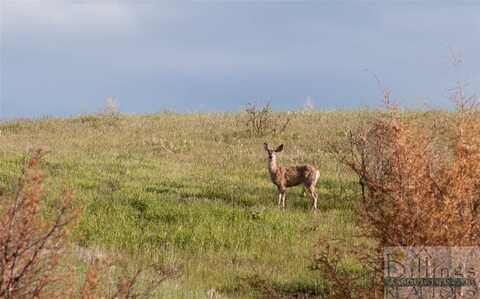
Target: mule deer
(285, 177)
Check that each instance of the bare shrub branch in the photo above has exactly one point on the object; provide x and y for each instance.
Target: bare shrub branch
(262, 121)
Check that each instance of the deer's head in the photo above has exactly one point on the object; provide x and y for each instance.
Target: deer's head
(272, 153)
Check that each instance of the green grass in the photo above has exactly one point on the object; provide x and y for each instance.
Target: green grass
(193, 191)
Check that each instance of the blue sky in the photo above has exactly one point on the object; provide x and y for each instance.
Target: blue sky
(64, 58)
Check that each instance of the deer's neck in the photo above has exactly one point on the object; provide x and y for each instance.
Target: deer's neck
(272, 165)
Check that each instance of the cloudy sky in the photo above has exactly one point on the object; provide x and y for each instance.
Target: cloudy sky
(66, 57)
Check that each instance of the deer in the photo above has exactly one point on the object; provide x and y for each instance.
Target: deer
(285, 177)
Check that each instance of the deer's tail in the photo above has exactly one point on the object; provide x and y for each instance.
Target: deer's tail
(317, 176)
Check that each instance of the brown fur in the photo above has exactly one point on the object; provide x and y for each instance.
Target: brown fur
(285, 177)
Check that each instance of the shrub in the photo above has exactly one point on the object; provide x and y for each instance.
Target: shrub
(33, 244)
(420, 187)
(262, 121)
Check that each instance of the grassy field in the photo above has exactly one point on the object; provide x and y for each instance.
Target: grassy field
(192, 192)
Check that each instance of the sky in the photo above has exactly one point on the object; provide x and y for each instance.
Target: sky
(64, 58)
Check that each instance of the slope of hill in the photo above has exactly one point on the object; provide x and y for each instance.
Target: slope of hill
(193, 192)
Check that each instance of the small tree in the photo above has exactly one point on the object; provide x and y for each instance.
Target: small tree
(111, 107)
(309, 105)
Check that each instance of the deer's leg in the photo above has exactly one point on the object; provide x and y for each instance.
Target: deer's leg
(281, 198)
(310, 196)
(315, 198)
(313, 195)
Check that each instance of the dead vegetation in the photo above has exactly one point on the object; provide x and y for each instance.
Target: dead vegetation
(420, 187)
(34, 245)
(31, 245)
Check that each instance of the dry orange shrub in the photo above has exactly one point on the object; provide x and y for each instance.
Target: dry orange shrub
(412, 196)
(32, 247)
(414, 192)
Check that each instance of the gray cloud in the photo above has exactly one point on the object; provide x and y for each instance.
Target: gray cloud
(66, 57)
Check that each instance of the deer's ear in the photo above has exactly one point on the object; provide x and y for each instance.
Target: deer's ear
(265, 146)
(279, 148)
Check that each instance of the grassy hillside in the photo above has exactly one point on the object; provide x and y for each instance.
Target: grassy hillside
(193, 192)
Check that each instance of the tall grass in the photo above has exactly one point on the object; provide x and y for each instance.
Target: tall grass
(192, 193)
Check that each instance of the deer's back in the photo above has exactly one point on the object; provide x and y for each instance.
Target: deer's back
(294, 175)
